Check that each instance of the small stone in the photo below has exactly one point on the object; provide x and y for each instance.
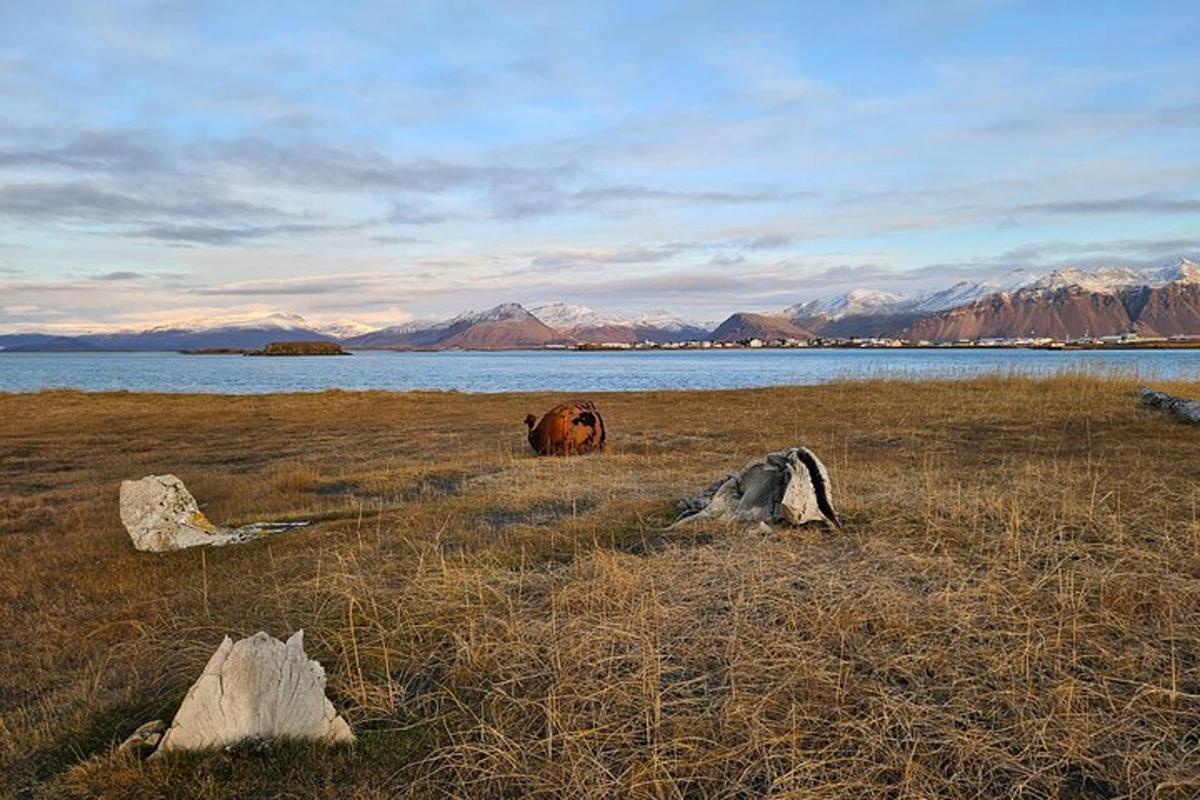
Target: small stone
(144, 741)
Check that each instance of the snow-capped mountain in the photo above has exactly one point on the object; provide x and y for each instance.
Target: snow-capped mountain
(864, 301)
(855, 301)
(243, 332)
(501, 313)
(1182, 271)
(505, 326)
(565, 316)
(1071, 302)
(1109, 280)
(1065, 303)
(965, 292)
(584, 324)
(1105, 280)
(275, 320)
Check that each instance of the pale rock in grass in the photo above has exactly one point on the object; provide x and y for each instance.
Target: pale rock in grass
(143, 742)
(789, 487)
(256, 688)
(161, 515)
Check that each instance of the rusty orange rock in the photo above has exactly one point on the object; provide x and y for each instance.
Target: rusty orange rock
(567, 429)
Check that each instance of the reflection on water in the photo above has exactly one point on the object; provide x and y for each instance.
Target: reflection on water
(557, 370)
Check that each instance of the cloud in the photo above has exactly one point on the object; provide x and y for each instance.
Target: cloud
(389, 239)
(328, 167)
(768, 242)
(412, 214)
(21, 310)
(90, 151)
(592, 198)
(1120, 205)
(561, 259)
(119, 275)
(78, 201)
(215, 235)
(320, 285)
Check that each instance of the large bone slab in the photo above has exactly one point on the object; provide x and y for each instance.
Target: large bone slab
(256, 688)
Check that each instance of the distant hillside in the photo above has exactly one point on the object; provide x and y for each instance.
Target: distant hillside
(41, 342)
(1060, 314)
(507, 326)
(859, 325)
(1171, 310)
(742, 326)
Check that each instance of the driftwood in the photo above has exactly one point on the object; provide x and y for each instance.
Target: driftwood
(1186, 410)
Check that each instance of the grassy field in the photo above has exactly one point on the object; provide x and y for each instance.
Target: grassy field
(1012, 608)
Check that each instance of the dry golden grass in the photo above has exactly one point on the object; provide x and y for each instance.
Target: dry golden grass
(1012, 609)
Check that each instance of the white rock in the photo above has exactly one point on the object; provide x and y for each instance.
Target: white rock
(161, 514)
(256, 688)
(790, 487)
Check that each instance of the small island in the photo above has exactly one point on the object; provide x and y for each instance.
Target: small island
(300, 349)
(276, 349)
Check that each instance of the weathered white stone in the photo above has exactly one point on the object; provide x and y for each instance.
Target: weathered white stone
(256, 688)
(1186, 410)
(788, 487)
(161, 514)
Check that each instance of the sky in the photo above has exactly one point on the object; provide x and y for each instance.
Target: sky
(386, 161)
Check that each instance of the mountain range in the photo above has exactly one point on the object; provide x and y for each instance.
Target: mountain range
(1064, 304)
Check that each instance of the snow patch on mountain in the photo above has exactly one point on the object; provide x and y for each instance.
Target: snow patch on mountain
(501, 313)
(343, 329)
(276, 320)
(567, 316)
(1111, 280)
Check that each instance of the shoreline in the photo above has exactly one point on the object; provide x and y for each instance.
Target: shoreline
(677, 393)
(1190, 344)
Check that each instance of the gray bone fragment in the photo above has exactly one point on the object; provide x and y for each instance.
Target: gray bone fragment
(789, 487)
(1181, 408)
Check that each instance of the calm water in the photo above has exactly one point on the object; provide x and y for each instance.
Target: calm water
(554, 370)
